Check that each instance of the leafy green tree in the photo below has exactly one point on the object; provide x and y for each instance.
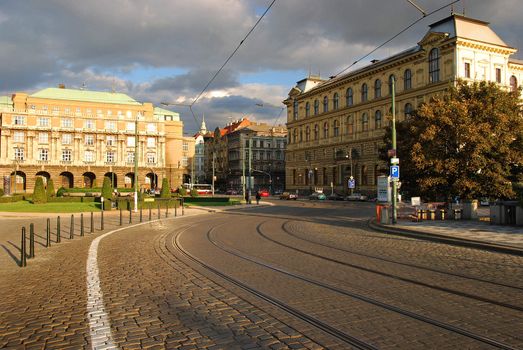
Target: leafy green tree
(467, 143)
(50, 189)
(182, 191)
(194, 193)
(166, 188)
(107, 192)
(39, 195)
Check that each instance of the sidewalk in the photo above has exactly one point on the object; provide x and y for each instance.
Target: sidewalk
(473, 233)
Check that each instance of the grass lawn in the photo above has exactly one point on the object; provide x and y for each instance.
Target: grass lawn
(27, 207)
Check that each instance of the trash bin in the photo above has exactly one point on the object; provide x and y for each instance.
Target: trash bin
(418, 213)
(457, 214)
(424, 214)
(442, 213)
(432, 214)
(378, 212)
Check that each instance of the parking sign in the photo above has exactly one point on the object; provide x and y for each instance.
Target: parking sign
(395, 172)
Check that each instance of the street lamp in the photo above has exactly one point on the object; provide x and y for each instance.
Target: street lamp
(136, 163)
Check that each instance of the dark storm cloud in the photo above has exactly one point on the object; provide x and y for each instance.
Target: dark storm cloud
(194, 81)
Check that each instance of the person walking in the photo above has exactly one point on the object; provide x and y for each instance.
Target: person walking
(258, 197)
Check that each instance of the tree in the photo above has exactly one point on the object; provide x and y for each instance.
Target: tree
(107, 192)
(166, 188)
(39, 195)
(50, 189)
(467, 143)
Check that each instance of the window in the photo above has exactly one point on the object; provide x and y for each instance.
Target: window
(498, 75)
(408, 110)
(110, 125)
(316, 107)
(364, 122)
(513, 84)
(151, 127)
(467, 70)
(43, 137)
(89, 140)
(67, 155)
(78, 110)
(350, 125)
(67, 123)
(56, 110)
(89, 156)
(129, 126)
(295, 136)
(307, 109)
(325, 104)
(295, 109)
(19, 153)
(43, 154)
(336, 101)
(89, 124)
(19, 120)
(407, 79)
(336, 128)
(130, 157)
(151, 158)
(434, 65)
(307, 133)
(110, 140)
(67, 139)
(377, 88)
(129, 114)
(325, 130)
(99, 113)
(364, 93)
(43, 122)
(301, 135)
(392, 80)
(89, 112)
(18, 136)
(377, 119)
(151, 142)
(185, 146)
(349, 97)
(316, 132)
(110, 157)
(131, 141)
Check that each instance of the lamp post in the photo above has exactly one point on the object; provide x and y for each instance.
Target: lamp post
(136, 164)
(394, 180)
(213, 159)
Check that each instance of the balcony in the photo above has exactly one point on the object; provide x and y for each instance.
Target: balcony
(66, 162)
(42, 162)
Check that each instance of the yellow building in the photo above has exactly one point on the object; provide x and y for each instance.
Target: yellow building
(76, 137)
(336, 126)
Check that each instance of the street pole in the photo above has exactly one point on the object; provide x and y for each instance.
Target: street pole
(351, 176)
(213, 158)
(250, 174)
(243, 167)
(394, 181)
(136, 164)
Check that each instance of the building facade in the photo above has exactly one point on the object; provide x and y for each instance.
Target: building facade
(336, 126)
(76, 137)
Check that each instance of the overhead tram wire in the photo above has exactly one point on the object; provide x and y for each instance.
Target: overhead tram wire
(232, 54)
(396, 35)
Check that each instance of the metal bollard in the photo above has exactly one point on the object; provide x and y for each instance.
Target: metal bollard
(130, 216)
(81, 224)
(158, 210)
(149, 212)
(31, 241)
(183, 210)
(120, 216)
(141, 214)
(58, 239)
(92, 222)
(71, 229)
(102, 221)
(175, 208)
(48, 233)
(23, 257)
(166, 209)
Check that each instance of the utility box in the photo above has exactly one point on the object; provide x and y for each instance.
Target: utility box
(385, 215)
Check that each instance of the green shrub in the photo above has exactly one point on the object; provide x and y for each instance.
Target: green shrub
(182, 191)
(39, 195)
(60, 192)
(1, 192)
(107, 188)
(166, 188)
(194, 193)
(50, 189)
(65, 200)
(87, 199)
(10, 199)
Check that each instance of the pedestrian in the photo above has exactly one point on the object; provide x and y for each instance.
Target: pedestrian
(258, 197)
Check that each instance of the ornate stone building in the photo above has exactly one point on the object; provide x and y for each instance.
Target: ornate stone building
(336, 126)
(76, 137)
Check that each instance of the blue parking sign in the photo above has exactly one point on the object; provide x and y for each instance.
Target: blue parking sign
(395, 171)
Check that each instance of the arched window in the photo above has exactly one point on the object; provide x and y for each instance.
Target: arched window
(307, 109)
(295, 110)
(336, 101)
(295, 136)
(434, 65)
(316, 107)
(336, 128)
(513, 83)
(364, 92)
(364, 122)
(391, 78)
(325, 104)
(377, 88)
(307, 133)
(325, 130)
(377, 119)
(301, 135)
(316, 132)
(349, 97)
(408, 110)
(407, 79)
(350, 125)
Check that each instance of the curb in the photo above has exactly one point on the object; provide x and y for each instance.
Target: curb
(462, 242)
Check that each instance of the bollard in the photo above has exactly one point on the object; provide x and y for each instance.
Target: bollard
(183, 210)
(149, 212)
(31, 241)
(58, 239)
(71, 229)
(141, 214)
(432, 214)
(23, 261)
(166, 209)
(120, 216)
(102, 221)
(92, 222)
(442, 211)
(175, 208)
(158, 210)
(130, 216)
(48, 234)
(81, 224)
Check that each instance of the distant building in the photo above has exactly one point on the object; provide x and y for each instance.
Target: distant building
(336, 126)
(198, 170)
(76, 137)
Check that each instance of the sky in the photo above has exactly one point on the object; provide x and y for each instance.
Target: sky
(168, 50)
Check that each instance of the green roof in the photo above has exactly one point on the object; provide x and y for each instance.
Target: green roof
(86, 96)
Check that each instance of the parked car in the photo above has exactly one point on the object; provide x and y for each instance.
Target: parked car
(288, 195)
(356, 197)
(335, 197)
(318, 196)
(264, 193)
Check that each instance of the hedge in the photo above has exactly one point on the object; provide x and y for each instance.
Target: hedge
(64, 200)
(10, 199)
(206, 199)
